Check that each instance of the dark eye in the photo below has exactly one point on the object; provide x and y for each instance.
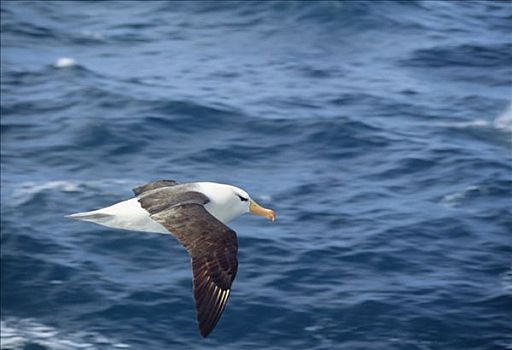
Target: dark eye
(243, 199)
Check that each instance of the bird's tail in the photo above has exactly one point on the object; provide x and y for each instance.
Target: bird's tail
(93, 216)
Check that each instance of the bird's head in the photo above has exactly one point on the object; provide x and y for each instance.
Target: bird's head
(249, 205)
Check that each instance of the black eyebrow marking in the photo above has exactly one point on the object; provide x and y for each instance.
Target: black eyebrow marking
(243, 199)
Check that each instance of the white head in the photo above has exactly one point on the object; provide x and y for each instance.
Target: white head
(250, 206)
(229, 202)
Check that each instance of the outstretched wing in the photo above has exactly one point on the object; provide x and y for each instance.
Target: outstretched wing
(153, 185)
(212, 246)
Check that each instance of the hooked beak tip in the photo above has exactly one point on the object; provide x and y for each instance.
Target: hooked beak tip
(256, 209)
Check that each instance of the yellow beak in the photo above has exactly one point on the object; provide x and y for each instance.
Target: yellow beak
(256, 209)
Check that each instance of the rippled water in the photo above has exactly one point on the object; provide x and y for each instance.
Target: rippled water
(381, 133)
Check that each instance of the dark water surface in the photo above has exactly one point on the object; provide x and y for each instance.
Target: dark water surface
(381, 133)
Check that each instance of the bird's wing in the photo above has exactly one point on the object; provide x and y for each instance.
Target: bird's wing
(160, 199)
(153, 185)
(213, 249)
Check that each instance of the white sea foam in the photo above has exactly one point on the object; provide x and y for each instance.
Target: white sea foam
(504, 120)
(454, 199)
(26, 191)
(18, 333)
(477, 123)
(265, 197)
(314, 328)
(64, 62)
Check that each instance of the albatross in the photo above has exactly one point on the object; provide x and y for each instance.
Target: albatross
(196, 214)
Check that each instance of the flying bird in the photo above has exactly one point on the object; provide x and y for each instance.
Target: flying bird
(196, 214)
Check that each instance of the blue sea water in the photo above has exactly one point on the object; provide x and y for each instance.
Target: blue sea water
(380, 132)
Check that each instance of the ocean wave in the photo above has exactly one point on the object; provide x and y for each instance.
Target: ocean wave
(374, 128)
(93, 35)
(185, 115)
(464, 55)
(26, 191)
(502, 122)
(484, 191)
(454, 199)
(342, 135)
(507, 281)
(17, 333)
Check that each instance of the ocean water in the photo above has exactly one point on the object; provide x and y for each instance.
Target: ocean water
(380, 132)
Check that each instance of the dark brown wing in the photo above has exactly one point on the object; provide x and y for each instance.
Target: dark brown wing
(153, 185)
(213, 248)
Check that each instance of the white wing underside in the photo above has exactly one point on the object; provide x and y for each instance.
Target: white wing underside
(126, 215)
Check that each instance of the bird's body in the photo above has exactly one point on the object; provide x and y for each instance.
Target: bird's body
(129, 214)
(196, 214)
